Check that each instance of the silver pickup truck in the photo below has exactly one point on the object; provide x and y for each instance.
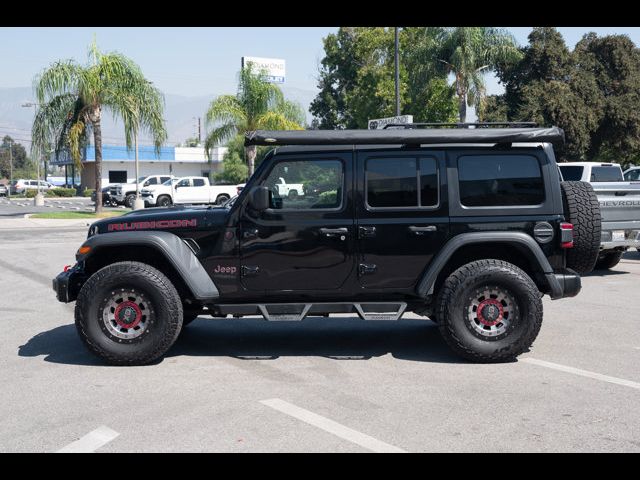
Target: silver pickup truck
(619, 206)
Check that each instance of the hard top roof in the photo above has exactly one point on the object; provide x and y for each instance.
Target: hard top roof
(552, 135)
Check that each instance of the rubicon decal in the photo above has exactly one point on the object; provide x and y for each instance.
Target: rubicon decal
(118, 227)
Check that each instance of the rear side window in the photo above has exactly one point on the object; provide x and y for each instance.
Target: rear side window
(571, 173)
(500, 180)
(198, 182)
(606, 174)
(402, 182)
(632, 175)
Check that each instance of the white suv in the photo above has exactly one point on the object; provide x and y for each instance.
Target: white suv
(21, 185)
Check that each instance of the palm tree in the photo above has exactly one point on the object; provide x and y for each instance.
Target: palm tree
(468, 53)
(257, 105)
(72, 97)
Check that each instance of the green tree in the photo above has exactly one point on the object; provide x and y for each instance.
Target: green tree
(468, 53)
(612, 66)
(357, 74)
(72, 98)
(257, 105)
(13, 152)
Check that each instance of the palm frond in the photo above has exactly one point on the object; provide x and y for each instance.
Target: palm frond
(218, 136)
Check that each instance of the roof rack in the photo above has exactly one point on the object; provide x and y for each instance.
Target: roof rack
(406, 136)
(463, 125)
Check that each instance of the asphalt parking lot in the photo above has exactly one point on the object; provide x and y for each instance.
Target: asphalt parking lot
(322, 385)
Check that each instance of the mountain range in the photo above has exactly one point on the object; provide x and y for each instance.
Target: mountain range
(181, 113)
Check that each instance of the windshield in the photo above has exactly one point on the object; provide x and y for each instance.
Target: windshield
(141, 179)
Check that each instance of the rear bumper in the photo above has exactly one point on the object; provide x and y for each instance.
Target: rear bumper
(565, 283)
(67, 284)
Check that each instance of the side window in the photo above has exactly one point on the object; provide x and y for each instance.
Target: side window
(306, 184)
(634, 174)
(152, 181)
(164, 179)
(183, 183)
(402, 182)
(198, 182)
(500, 180)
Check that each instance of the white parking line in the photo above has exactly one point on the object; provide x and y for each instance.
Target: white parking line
(91, 441)
(330, 426)
(582, 373)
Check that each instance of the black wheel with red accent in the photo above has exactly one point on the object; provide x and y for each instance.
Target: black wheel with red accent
(128, 313)
(489, 311)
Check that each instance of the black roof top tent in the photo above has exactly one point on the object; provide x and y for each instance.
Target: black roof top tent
(405, 136)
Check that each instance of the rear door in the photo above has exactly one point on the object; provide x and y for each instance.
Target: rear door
(403, 219)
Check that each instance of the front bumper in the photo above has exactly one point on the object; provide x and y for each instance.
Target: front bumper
(564, 283)
(67, 284)
(631, 239)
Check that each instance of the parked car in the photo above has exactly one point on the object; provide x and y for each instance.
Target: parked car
(107, 200)
(125, 193)
(187, 190)
(619, 205)
(289, 190)
(21, 185)
(469, 227)
(632, 174)
(3, 190)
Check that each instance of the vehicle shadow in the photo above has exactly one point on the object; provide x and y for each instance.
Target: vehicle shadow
(338, 338)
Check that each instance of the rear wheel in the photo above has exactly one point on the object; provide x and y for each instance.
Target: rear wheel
(221, 199)
(608, 260)
(128, 313)
(489, 311)
(582, 209)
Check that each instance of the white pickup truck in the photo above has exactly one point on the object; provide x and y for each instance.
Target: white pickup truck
(125, 193)
(187, 190)
(619, 207)
(290, 190)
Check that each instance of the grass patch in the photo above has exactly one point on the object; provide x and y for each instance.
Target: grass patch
(78, 215)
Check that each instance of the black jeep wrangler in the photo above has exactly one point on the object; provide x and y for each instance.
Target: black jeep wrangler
(466, 226)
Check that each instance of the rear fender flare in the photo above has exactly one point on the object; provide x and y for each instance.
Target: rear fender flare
(427, 282)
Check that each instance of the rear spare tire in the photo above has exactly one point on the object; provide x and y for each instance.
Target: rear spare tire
(581, 208)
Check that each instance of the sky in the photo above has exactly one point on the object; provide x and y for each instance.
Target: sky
(188, 61)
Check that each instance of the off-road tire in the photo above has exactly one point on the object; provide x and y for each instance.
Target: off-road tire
(454, 300)
(608, 260)
(165, 323)
(129, 200)
(164, 201)
(582, 209)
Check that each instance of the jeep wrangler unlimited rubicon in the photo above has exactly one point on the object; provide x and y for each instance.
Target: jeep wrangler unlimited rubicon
(466, 226)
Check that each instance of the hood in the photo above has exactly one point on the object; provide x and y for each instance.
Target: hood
(175, 219)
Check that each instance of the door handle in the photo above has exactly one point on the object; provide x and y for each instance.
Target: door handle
(251, 233)
(422, 230)
(367, 232)
(333, 232)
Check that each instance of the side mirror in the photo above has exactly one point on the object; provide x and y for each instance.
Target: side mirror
(259, 198)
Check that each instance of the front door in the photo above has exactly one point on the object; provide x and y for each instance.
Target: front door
(303, 242)
(403, 219)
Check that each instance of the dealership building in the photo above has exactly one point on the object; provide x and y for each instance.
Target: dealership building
(118, 163)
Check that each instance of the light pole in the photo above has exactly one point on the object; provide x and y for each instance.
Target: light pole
(10, 167)
(397, 76)
(39, 200)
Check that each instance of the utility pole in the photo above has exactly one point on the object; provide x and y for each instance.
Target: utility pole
(199, 132)
(10, 166)
(397, 62)
(39, 200)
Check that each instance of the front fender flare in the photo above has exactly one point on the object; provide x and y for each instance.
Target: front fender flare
(427, 282)
(168, 245)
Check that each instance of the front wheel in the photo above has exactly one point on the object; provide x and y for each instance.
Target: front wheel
(164, 201)
(128, 313)
(489, 311)
(221, 199)
(129, 200)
